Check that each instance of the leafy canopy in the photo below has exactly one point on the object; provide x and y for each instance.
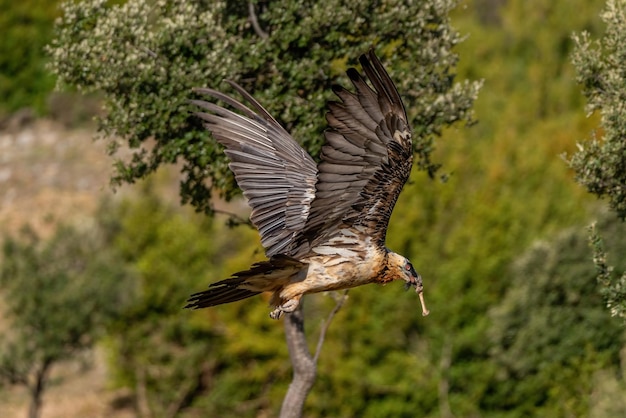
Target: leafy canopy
(59, 295)
(146, 56)
(551, 325)
(600, 164)
(26, 27)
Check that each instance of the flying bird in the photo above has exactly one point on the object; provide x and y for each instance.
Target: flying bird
(323, 226)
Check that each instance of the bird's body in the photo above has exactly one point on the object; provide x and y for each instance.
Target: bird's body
(342, 263)
(323, 225)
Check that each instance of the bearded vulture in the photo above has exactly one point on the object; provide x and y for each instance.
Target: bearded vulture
(323, 226)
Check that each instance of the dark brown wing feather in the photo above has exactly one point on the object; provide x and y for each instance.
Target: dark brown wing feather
(366, 160)
(276, 175)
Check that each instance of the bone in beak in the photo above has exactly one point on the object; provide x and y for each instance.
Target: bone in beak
(424, 310)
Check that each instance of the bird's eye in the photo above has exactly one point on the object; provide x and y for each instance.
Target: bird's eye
(407, 267)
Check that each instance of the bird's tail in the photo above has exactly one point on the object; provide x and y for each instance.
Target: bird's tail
(264, 276)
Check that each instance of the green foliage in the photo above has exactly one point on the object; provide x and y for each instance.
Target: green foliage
(61, 292)
(179, 361)
(614, 289)
(507, 188)
(550, 327)
(59, 296)
(310, 44)
(146, 56)
(600, 164)
(26, 28)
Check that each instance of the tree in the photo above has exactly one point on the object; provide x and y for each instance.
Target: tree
(145, 57)
(600, 164)
(167, 357)
(59, 295)
(24, 81)
(550, 334)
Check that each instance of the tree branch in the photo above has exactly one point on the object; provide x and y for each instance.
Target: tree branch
(255, 22)
(233, 218)
(304, 365)
(320, 341)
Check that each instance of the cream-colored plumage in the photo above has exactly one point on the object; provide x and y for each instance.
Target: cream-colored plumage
(323, 225)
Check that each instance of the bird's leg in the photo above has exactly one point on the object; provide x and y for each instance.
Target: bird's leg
(287, 307)
(290, 305)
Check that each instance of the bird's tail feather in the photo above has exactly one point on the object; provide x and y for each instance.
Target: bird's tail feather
(263, 276)
(217, 296)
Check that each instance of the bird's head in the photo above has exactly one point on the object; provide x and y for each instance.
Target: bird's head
(401, 268)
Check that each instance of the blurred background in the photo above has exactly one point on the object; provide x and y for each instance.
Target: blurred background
(93, 281)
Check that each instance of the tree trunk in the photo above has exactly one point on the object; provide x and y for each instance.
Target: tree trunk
(304, 364)
(143, 406)
(304, 367)
(37, 389)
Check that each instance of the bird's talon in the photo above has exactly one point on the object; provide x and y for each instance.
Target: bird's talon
(287, 307)
(276, 313)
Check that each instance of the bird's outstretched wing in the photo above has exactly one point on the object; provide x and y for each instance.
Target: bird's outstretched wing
(275, 174)
(366, 160)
